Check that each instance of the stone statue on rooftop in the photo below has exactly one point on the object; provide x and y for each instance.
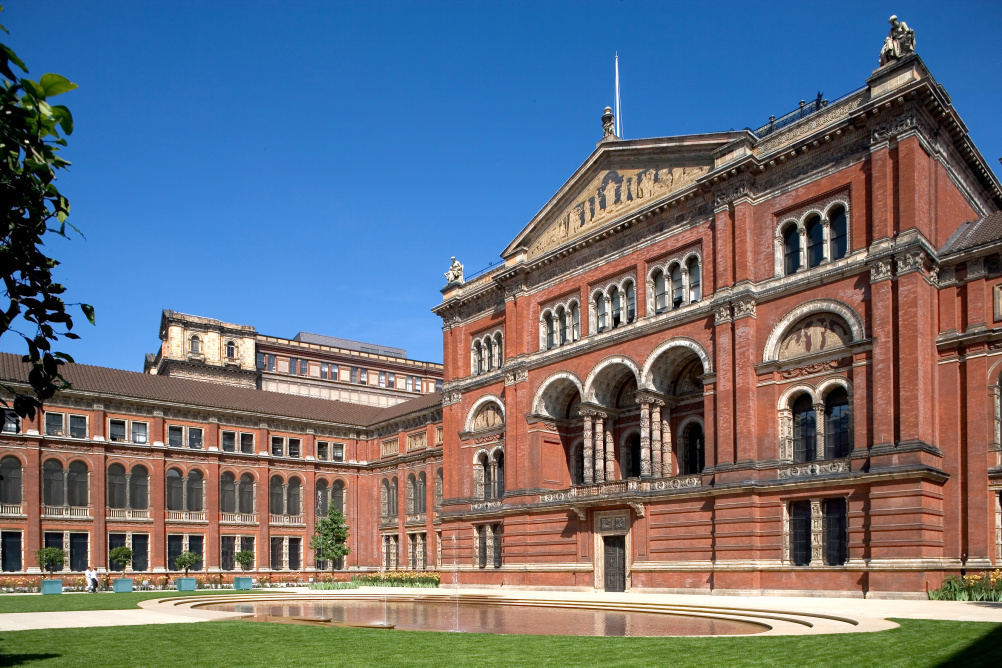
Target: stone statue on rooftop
(900, 42)
(608, 124)
(455, 273)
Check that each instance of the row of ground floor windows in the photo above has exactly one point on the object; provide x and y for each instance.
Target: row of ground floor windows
(285, 553)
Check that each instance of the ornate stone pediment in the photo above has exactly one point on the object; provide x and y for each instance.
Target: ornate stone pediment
(609, 195)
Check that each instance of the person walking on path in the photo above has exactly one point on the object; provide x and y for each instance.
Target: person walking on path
(91, 576)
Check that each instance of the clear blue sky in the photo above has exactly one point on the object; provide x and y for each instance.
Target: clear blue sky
(313, 165)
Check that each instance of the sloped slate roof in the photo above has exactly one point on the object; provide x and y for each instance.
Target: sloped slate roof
(975, 233)
(128, 384)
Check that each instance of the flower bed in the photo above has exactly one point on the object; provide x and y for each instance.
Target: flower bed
(399, 579)
(976, 587)
(334, 585)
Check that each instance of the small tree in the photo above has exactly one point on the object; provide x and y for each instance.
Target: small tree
(245, 558)
(186, 560)
(330, 539)
(121, 556)
(50, 558)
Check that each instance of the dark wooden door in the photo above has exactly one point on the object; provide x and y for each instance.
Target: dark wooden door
(615, 563)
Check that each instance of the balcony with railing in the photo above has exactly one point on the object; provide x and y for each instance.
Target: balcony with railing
(287, 520)
(128, 514)
(238, 518)
(185, 516)
(68, 512)
(11, 510)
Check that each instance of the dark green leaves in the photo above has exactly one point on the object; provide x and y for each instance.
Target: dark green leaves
(31, 134)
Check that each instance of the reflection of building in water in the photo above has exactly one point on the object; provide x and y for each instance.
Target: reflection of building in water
(763, 360)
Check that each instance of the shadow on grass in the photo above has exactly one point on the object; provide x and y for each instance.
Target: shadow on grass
(986, 651)
(20, 659)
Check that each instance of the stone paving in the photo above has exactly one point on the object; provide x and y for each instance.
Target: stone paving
(826, 615)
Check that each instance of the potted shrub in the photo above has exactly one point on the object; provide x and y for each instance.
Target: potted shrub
(185, 561)
(245, 558)
(121, 557)
(49, 559)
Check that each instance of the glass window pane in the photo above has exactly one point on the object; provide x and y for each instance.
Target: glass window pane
(78, 426)
(139, 432)
(116, 430)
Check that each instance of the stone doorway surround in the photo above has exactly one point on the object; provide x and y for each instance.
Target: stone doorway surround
(611, 523)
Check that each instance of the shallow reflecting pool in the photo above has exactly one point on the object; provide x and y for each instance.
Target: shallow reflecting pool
(492, 618)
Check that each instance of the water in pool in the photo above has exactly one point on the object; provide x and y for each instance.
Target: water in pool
(493, 618)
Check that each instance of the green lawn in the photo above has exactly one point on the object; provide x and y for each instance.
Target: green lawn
(100, 601)
(916, 643)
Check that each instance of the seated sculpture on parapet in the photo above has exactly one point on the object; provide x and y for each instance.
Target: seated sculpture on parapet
(900, 42)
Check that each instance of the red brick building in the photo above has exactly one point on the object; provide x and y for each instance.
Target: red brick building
(764, 360)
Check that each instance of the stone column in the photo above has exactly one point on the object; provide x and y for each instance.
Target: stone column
(826, 226)
(599, 457)
(285, 498)
(587, 454)
(645, 439)
(610, 451)
(817, 537)
(66, 489)
(666, 463)
(655, 467)
(184, 494)
(128, 492)
(819, 430)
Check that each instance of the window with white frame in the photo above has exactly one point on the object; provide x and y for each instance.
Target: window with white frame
(813, 238)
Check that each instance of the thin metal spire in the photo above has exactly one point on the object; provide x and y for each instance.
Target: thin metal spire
(619, 111)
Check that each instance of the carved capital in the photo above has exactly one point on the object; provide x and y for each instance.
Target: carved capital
(880, 270)
(450, 398)
(722, 314)
(912, 261)
(744, 308)
(516, 376)
(976, 268)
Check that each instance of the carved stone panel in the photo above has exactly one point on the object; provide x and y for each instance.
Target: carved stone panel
(612, 194)
(815, 333)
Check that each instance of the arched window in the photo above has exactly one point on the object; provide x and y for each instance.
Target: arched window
(478, 358)
(677, 287)
(384, 499)
(660, 292)
(614, 301)
(139, 488)
(195, 478)
(394, 505)
(175, 490)
(276, 501)
(489, 353)
(549, 330)
(52, 483)
(196, 345)
(631, 301)
(485, 484)
(410, 494)
(227, 493)
(421, 494)
(600, 311)
(231, 350)
(576, 465)
(323, 498)
(838, 230)
(76, 484)
(498, 351)
(246, 494)
(293, 497)
(575, 321)
(337, 497)
(815, 241)
(838, 436)
(499, 476)
(791, 249)
(631, 458)
(10, 484)
(561, 317)
(804, 430)
(438, 488)
(116, 486)
(695, 293)
(694, 459)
